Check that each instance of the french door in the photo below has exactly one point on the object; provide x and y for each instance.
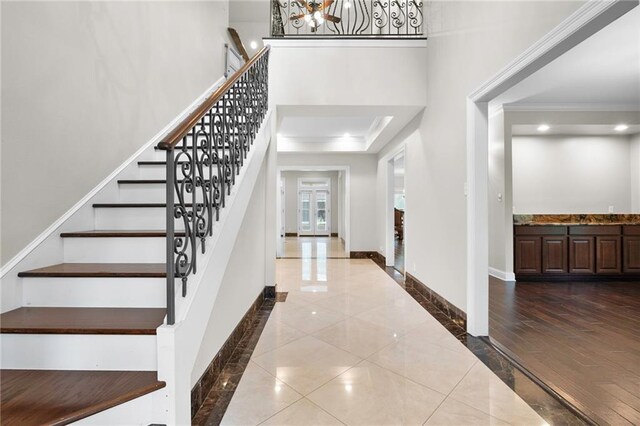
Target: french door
(313, 212)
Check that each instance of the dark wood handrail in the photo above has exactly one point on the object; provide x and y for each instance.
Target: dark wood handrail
(172, 139)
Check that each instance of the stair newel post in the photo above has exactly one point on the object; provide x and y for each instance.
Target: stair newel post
(171, 273)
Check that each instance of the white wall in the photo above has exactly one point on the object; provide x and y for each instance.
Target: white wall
(251, 18)
(571, 174)
(468, 43)
(362, 168)
(369, 76)
(500, 194)
(635, 173)
(244, 278)
(84, 85)
(291, 198)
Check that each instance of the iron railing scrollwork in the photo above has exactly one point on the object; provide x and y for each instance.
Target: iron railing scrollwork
(204, 154)
(355, 18)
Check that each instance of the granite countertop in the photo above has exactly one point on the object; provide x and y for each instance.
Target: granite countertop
(576, 219)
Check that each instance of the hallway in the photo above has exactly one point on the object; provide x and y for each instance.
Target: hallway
(313, 247)
(350, 346)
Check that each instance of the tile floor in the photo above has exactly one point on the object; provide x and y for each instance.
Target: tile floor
(313, 247)
(350, 346)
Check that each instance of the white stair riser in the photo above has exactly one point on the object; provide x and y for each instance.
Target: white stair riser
(114, 250)
(94, 292)
(152, 172)
(142, 218)
(155, 171)
(158, 155)
(79, 352)
(134, 218)
(148, 193)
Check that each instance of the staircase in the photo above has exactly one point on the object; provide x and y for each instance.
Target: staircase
(84, 344)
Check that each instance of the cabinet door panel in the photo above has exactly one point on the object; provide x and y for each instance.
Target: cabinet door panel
(631, 254)
(554, 255)
(528, 253)
(608, 255)
(581, 255)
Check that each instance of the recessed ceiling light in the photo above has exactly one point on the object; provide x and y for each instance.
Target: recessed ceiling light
(254, 45)
(543, 127)
(621, 128)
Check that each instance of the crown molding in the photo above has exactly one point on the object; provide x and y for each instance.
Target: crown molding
(581, 24)
(569, 107)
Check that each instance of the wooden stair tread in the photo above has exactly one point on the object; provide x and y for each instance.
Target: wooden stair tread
(118, 234)
(132, 205)
(144, 181)
(122, 270)
(30, 320)
(141, 181)
(190, 147)
(53, 397)
(164, 163)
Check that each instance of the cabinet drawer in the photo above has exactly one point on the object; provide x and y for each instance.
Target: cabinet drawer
(631, 230)
(595, 230)
(540, 230)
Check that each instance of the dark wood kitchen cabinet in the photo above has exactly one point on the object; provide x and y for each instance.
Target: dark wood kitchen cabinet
(576, 251)
(581, 255)
(554, 255)
(631, 250)
(609, 255)
(528, 255)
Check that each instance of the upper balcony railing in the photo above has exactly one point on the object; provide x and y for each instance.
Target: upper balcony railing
(347, 18)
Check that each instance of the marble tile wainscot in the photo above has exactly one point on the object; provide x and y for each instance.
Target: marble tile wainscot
(227, 366)
(454, 313)
(373, 255)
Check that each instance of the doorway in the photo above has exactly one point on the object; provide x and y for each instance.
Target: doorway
(398, 212)
(314, 207)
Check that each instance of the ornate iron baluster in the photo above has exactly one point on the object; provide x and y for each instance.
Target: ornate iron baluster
(204, 155)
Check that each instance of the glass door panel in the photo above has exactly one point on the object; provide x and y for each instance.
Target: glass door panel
(314, 212)
(306, 213)
(321, 212)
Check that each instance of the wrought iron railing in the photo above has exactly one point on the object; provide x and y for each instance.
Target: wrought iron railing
(347, 18)
(205, 153)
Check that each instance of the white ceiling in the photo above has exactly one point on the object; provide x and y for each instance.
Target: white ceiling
(357, 129)
(602, 70)
(326, 127)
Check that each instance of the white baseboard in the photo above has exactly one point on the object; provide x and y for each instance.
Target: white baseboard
(154, 141)
(509, 277)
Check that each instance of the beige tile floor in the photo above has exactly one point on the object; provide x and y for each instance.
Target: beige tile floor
(349, 346)
(313, 247)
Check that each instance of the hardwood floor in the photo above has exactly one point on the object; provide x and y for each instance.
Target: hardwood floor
(581, 339)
